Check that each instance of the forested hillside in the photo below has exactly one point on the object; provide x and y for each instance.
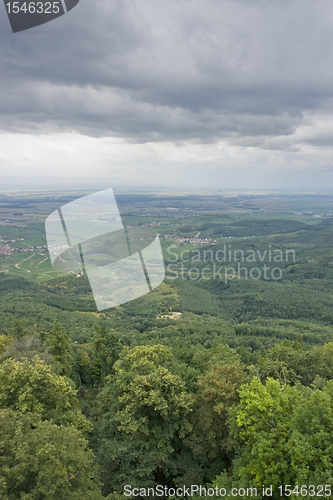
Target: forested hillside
(220, 381)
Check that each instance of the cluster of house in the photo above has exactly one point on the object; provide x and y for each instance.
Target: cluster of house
(194, 240)
(6, 249)
(314, 214)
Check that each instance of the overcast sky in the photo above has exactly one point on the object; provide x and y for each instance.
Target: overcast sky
(189, 93)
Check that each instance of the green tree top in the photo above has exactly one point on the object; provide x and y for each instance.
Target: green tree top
(145, 399)
(58, 343)
(33, 387)
(40, 460)
(105, 352)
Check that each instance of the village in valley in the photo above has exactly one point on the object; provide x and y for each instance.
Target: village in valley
(6, 249)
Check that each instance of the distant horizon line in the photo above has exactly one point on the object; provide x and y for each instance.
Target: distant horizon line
(169, 190)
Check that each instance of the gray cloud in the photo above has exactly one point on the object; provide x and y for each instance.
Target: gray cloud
(173, 70)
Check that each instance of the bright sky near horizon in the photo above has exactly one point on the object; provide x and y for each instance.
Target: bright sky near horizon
(181, 93)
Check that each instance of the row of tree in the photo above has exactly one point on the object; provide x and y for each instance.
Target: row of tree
(84, 420)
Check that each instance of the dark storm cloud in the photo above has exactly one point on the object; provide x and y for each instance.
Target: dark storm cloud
(197, 70)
